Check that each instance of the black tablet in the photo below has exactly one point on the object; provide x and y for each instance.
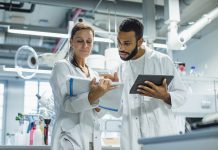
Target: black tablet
(156, 79)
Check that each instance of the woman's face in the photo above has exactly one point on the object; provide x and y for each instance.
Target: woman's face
(82, 43)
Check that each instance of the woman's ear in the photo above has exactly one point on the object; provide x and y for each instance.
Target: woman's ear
(71, 42)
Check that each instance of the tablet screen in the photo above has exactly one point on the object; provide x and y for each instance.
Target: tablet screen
(156, 79)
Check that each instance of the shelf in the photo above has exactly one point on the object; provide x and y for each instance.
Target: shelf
(10, 147)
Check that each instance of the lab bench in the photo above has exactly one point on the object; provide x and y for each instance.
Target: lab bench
(202, 97)
(205, 139)
(24, 147)
(43, 148)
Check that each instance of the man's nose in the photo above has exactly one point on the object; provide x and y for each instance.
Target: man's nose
(121, 46)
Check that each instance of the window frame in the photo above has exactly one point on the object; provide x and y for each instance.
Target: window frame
(4, 106)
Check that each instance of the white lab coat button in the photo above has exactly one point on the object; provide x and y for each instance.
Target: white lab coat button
(150, 118)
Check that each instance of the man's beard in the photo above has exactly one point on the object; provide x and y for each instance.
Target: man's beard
(132, 54)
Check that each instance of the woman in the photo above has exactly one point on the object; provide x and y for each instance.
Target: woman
(77, 125)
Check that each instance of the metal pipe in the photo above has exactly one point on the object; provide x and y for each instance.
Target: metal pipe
(176, 41)
(206, 19)
(96, 6)
(124, 7)
(77, 12)
(10, 8)
(19, 5)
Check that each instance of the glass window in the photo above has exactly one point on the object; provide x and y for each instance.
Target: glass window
(30, 99)
(1, 110)
(31, 89)
(45, 89)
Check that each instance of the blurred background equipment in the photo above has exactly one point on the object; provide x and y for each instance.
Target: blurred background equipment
(43, 39)
(26, 62)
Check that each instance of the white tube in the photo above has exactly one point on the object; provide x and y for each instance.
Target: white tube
(173, 41)
(188, 33)
(177, 41)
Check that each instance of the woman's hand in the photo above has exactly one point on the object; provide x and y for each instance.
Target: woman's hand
(97, 90)
(112, 77)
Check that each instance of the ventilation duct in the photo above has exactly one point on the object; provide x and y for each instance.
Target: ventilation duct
(123, 8)
(16, 7)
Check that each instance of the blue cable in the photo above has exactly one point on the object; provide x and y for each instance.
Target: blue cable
(112, 109)
(71, 86)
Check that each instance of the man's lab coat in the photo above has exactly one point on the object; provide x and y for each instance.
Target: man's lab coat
(144, 116)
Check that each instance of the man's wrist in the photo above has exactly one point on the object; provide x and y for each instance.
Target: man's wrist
(167, 98)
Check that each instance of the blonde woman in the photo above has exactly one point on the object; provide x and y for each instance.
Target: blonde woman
(77, 125)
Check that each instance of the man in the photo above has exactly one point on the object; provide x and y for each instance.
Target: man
(149, 113)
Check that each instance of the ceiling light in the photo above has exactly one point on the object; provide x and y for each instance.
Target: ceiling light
(38, 33)
(25, 70)
(29, 31)
(52, 32)
(159, 45)
(99, 39)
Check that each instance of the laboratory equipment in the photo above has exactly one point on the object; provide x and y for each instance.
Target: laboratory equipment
(201, 97)
(205, 139)
(26, 60)
(96, 61)
(47, 122)
(193, 71)
(177, 41)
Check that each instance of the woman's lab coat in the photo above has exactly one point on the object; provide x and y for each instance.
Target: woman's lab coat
(76, 120)
(145, 116)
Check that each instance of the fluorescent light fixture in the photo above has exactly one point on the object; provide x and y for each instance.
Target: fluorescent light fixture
(26, 70)
(159, 45)
(50, 33)
(99, 39)
(37, 33)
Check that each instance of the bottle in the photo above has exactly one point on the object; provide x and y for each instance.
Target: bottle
(19, 136)
(37, 136)
(205, 70)
(31, 133)
(181, 69)
(193, 71)
(47, 122)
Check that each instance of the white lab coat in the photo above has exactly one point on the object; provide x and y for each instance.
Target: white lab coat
(76, 120)
(144, 116)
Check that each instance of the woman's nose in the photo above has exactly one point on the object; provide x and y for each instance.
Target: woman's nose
(85, 44)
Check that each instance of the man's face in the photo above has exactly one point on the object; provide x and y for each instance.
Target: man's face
(127, 45)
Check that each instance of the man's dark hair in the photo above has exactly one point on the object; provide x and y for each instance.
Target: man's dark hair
(132, 24)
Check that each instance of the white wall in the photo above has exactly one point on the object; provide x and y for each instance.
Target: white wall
(201, 52)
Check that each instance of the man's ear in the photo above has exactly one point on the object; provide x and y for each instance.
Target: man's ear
(140, 41)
